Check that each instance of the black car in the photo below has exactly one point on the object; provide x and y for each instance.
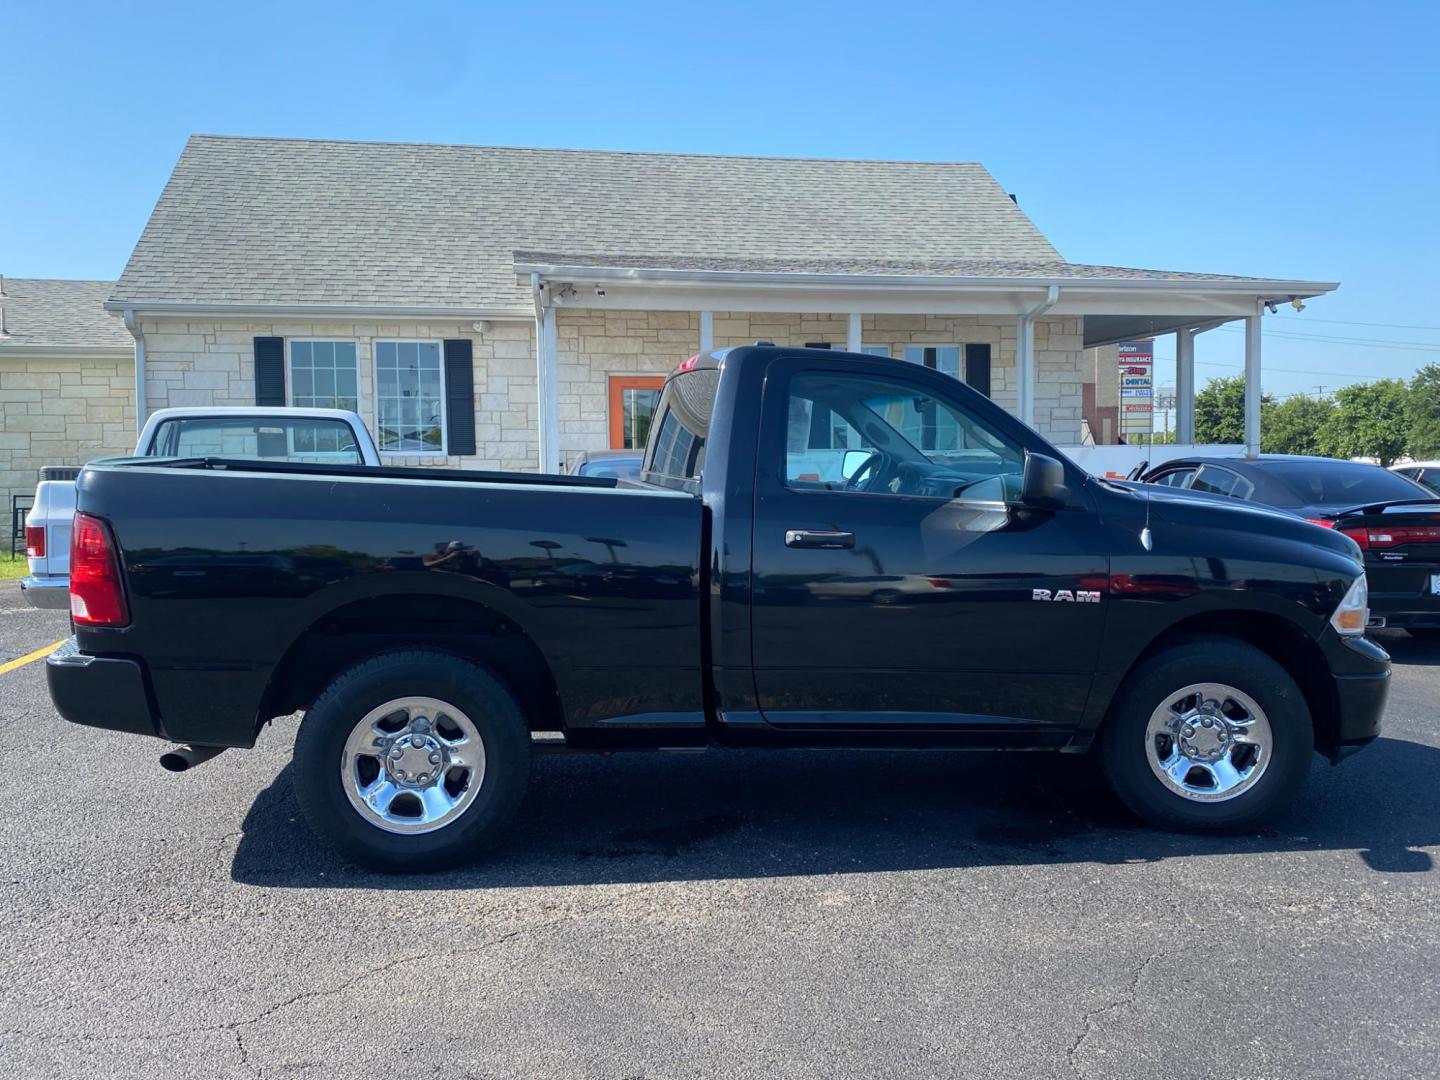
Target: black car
(1395, 521)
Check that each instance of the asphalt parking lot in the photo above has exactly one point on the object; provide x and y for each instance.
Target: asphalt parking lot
(786, 914)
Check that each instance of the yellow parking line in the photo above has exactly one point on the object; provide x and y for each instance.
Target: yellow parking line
(28, 658)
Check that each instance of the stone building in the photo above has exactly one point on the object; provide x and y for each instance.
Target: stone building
(491, 307)
(67, 379)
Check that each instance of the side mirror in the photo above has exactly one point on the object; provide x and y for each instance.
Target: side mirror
(1043, 483)
(851, 462)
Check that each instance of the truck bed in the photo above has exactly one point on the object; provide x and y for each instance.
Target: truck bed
(235, 569)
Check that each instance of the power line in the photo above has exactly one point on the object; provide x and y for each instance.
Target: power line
(1348, 322)
(1408, 346)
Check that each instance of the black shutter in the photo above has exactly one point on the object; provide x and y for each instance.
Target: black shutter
(459, 397)
(977, 367)
(269, 371)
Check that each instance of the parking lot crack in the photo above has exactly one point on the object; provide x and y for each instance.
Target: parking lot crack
(1093, 1015)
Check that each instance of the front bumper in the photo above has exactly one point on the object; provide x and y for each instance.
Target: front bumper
(96, 691)
(49, 592)
(1361, 670)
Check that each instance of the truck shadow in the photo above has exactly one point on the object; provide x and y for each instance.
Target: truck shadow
(646, 817)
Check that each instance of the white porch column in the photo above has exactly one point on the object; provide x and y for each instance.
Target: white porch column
(853, 341)
(546, 391)
(1185, 386)
(707, 331)
(1252, 382)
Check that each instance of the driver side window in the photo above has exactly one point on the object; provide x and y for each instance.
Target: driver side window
(871, 434)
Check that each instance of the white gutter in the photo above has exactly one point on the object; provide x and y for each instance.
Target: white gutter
(546, 390)
(203, 309)
(134, 328)
(1271, 289)
(1025, 353)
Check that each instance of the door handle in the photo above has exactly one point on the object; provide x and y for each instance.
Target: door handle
(818, 538)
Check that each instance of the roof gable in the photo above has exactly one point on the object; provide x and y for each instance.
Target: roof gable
(260, 221)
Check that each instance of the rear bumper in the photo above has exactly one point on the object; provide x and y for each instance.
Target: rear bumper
(50, 593)
(98, 691)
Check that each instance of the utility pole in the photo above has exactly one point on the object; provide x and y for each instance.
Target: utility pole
(1320, 391)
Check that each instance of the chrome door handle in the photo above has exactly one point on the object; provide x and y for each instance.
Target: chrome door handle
(818, 538)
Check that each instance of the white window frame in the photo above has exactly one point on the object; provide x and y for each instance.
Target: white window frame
(290, 377)
(869, 350)
(290, 370)
(958, 346)
(439, 343)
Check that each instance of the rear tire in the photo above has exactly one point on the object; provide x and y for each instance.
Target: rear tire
(1209, 735)
(358, 778)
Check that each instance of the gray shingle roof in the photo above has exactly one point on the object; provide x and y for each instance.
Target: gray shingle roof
(959, 268)
(257, 221)
(52, 313)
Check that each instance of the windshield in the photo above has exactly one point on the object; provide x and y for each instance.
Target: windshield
(1337, 483)
(268, 438)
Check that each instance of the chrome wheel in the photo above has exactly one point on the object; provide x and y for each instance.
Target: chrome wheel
(413, 765)
(1209, 742)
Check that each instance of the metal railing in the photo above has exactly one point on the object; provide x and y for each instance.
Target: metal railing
(19, 506)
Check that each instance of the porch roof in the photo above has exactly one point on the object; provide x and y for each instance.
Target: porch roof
(1120, 301)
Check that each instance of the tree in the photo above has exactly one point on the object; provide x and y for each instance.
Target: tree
(1422, 413)
(1220, 411)
(1293, 426)
(1369, 420)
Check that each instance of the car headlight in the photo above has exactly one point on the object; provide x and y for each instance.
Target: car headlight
(1354, 611)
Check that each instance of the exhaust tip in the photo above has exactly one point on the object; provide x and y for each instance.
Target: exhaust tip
(184, 758)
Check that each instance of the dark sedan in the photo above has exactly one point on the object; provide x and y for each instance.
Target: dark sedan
(1395, 521)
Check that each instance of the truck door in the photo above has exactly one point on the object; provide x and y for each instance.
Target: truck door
(895, 579)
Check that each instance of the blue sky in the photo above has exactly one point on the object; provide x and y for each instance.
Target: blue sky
(1287, 140)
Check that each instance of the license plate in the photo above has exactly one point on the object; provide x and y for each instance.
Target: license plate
(1435, 584)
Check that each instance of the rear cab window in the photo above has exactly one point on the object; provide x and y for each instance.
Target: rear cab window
(319, 440)
(676, 454)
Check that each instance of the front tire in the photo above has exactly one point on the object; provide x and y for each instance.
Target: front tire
(1208, 735)
(412, 760)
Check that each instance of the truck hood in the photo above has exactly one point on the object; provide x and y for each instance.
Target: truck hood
(1202, 509)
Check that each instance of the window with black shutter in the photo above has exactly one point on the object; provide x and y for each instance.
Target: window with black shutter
(977, 368)
(459, 397)
(270, 371)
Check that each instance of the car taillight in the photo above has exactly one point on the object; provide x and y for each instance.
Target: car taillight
(34, 541)
(97, 597)
(1375, 536)
(1321, 522)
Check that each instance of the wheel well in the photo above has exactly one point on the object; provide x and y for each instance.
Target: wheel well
(349, 634)
(1285, 643)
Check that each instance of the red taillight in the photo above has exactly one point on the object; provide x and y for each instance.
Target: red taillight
(34, 541)
(1321, 522)
(1379, 536)
(97, 597)
(1360, 536)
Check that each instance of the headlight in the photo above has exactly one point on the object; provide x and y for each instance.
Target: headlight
(1354, 611)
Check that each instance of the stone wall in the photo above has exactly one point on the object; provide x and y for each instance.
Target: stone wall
(61, 412)
(212, 362)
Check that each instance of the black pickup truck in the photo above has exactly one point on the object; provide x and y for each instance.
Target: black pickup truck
(826, 550)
